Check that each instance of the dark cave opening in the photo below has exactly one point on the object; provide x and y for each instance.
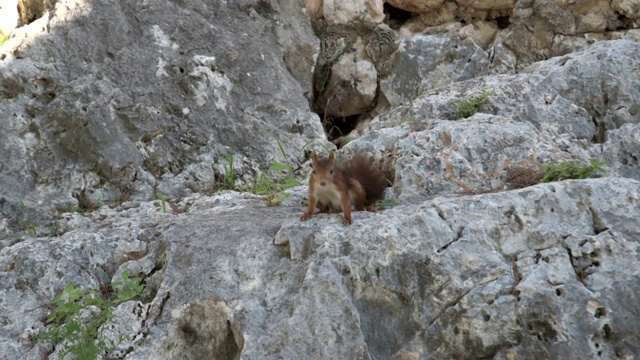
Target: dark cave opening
(395, 17)
(337, 128)
(619, 22)
(502, 22)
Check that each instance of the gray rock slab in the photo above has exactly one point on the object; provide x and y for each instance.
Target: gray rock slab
(519, 273)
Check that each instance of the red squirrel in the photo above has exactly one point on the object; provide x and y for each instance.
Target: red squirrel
(355, 181)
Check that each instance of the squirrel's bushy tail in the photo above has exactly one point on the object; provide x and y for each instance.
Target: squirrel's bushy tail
(370, 177)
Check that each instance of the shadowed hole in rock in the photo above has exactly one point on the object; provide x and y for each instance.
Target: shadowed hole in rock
(600, 312)
(502, 22)
(347, 73)
(386, 322)
(559, 292)
(600, 135)
(338, 127)
(395, 17)
(619, 22)
(204, 330)
(607, 332)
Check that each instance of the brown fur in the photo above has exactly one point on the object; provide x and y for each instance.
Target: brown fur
(370, 177)
(355, 182)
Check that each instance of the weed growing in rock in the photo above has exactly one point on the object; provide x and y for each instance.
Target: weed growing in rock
(28, 224)
(3, 38)
(163, 199)
(229, 178)
(570, 170)
(470, 106)
(385, 204)
(85, 203)
(75, 322)
(275, 189)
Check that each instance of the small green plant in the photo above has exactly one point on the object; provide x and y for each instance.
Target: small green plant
(28, 224)
(410, 120)
(385, 204)
(344, 140)
(229, 177)
(570, 170)
(163, 199)
(75, 322)
(274, 189)
(470, 106)
(54, 227)
(286, 158)
(3, 38)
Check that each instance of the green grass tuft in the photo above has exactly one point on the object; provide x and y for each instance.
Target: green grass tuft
(470, 106)
(163, 199)
(570, 170)
(75, 321)
(3, 38)
(28, 224)
(229, 178)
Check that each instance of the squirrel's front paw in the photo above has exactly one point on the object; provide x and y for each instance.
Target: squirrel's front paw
(346, 221)
(305, 216)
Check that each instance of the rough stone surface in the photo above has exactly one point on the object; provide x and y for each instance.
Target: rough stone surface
(431, 61)
(521, 273)
(422, 6)
(351, 62)
(554, 111)
(465, 38)
(145, 105)
(348, 11)
(123, 99)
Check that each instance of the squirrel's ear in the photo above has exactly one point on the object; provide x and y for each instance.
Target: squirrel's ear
(331, 156)
(314, 158)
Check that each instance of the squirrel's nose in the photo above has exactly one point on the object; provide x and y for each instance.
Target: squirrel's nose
(323, 183)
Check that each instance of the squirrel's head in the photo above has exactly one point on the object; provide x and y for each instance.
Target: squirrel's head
(323, 169)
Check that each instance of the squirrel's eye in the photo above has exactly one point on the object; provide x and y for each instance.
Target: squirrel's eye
(331, 172)
(314, 171)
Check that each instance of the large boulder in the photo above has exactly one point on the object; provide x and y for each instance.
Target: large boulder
(119, 100)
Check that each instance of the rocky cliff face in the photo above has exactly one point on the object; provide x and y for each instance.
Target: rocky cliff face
(123, 121)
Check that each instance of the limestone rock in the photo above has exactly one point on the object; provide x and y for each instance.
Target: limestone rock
(431, 61)
(349, 11)
(481, 32)
(420, 7)
(531, 118)
(105, 111)
(497, 273)
(351, 61)
(153, 106)
(533, 38)
(352, 86)
(505, 298)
